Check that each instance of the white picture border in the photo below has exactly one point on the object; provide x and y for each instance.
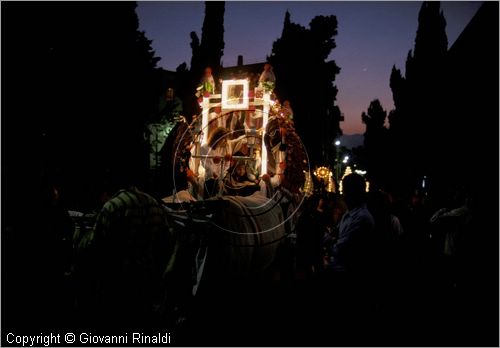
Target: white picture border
(225, 89)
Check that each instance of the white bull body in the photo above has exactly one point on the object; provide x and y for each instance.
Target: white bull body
(244, 235)
(251, 229)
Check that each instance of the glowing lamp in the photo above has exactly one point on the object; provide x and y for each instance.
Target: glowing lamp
(322, 173)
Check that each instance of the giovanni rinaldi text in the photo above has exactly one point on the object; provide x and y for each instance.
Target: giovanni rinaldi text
(86, 338)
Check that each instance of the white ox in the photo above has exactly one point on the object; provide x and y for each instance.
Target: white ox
(244, 234)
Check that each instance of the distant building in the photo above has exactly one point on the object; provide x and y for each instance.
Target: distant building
(241, 71)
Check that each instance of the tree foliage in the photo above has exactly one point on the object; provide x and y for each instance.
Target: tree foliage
(305, 77)
(416, 122)
(375, 142)
(86, 81)
(212, 38)
(375, 117)
(206, 52)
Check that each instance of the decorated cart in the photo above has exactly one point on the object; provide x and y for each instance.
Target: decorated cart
(239, 170)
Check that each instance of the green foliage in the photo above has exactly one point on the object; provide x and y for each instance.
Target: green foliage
(268, 86)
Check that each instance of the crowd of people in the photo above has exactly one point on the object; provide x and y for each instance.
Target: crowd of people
(357, 241)
(402, 260)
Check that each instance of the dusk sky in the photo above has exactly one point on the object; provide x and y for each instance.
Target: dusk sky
(372, 37)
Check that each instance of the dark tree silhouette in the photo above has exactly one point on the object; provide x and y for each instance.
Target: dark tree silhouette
(416, 122)
(470, 158)
(91, 80)
(397, 84)
(195, 51)
(205, 52)
(211, 47)
(305, 77)
(451, 110)
(81, 81)
(375, 117)
(375, 143)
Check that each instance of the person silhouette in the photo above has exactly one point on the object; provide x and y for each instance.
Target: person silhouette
(355, 230)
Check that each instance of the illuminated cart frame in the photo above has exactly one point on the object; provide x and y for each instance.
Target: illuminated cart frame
(235, 96)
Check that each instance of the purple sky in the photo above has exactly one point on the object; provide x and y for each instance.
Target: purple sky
(372, 36)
